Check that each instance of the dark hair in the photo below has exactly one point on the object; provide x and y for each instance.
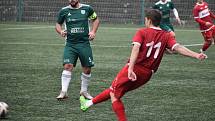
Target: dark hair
(154, 15)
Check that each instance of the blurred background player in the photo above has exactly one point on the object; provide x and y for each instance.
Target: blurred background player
(77, 34)
(203, 16)
(166, 6)
(149, 45)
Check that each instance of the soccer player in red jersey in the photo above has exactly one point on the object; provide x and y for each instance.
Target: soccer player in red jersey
(148, 49)
(204, 16)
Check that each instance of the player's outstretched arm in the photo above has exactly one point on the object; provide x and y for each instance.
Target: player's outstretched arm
(59, 30)
(187, 52)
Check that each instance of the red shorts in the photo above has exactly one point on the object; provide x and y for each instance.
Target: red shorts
(121, 84)
(210, 34)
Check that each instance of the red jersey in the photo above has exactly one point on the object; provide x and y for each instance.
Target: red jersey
(202, 14)
(153, 43)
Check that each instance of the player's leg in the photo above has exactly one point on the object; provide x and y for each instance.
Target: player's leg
(86, 58)
(85, 80)
(69, 61)
(119, 87)
(118, 107)
(103, 96)
(122, 85)
(65, 80)
(207, 41)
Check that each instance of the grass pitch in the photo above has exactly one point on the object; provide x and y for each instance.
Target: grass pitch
(30, 70)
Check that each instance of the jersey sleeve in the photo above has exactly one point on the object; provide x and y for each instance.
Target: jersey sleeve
(196, 16)
(155, 6)
(138, 38)
(171, 43)
(92, 13)
(61, 17)
(172, 6)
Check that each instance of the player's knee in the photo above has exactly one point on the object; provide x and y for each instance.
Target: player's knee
(68, 67)
(86, 70)
(113, 97)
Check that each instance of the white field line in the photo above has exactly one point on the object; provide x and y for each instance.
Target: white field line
(106, 46)
(27, 28)
(108, 28)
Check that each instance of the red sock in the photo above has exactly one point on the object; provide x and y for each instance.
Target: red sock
(103, 96)
(119, 110)
(205, 46)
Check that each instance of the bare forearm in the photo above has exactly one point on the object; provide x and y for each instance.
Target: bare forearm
(133, 57)
(185, 51)
(58, 28)
(95, 25)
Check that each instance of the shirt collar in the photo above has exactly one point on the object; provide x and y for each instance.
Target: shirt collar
(156, 28)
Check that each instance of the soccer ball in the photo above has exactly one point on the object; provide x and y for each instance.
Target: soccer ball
(3, 109)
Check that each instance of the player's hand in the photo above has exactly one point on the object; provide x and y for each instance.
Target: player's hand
(179, 21)
(63, 33)
(201, 56)
(131, 75)
(92, 35)
(208, 24)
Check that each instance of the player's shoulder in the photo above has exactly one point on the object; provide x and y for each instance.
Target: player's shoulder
(170, 2)
(205, 3)
(197, 5)
(85, 6)
(150, 30)
(65, 9)
(142, 29)
(158, 3)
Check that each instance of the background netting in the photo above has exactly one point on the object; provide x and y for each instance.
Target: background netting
(109, 11)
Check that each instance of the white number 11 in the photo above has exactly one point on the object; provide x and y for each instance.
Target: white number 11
(151, 46)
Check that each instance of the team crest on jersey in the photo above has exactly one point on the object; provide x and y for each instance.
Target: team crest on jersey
(69, 14)
(160, 7)
(83, 11)
(167, 5)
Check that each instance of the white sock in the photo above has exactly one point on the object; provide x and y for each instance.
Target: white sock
(65, 80)
(89, 103)
(85, 79)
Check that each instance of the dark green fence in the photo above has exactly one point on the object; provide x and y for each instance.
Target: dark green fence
(109, 11)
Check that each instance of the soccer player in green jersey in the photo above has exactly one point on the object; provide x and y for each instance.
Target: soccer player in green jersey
(165, 6)
(76, 18)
